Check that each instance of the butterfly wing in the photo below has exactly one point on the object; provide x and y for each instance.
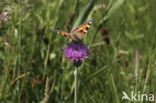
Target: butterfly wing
(63, 33)
(80, 31)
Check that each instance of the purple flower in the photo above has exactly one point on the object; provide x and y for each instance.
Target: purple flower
(76, 52)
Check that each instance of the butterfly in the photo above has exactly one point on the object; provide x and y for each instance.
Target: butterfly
(78, 33)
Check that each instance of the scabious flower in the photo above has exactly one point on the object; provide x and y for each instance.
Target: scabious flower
(76, 52)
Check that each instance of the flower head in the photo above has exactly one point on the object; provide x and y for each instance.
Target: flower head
(76, 52)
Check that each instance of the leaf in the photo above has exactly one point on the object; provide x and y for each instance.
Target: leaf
(111, 10)
(84, 14)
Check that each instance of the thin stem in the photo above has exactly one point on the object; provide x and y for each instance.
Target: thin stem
(76, 84)
(136, 69)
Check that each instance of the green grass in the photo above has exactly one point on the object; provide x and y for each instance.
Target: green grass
(34, 70)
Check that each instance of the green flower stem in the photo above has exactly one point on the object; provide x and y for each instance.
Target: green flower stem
(76, 84)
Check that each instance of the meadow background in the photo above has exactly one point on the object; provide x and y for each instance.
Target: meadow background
(122, 42)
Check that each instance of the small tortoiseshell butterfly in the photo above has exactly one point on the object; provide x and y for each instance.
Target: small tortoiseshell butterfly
(78, 33)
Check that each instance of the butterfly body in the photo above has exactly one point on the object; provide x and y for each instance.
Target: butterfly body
(78, 33)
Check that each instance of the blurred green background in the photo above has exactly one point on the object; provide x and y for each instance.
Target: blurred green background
(121, 41)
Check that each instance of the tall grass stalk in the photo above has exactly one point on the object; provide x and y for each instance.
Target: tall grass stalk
(136, 69)
(50, 42)
(114, 89)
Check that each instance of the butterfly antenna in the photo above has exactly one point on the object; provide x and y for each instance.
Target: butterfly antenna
(90, 20)
(58, 31)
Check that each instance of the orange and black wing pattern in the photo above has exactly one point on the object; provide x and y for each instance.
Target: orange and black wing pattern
(63, 33)
(77, 33)
(82, 29)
